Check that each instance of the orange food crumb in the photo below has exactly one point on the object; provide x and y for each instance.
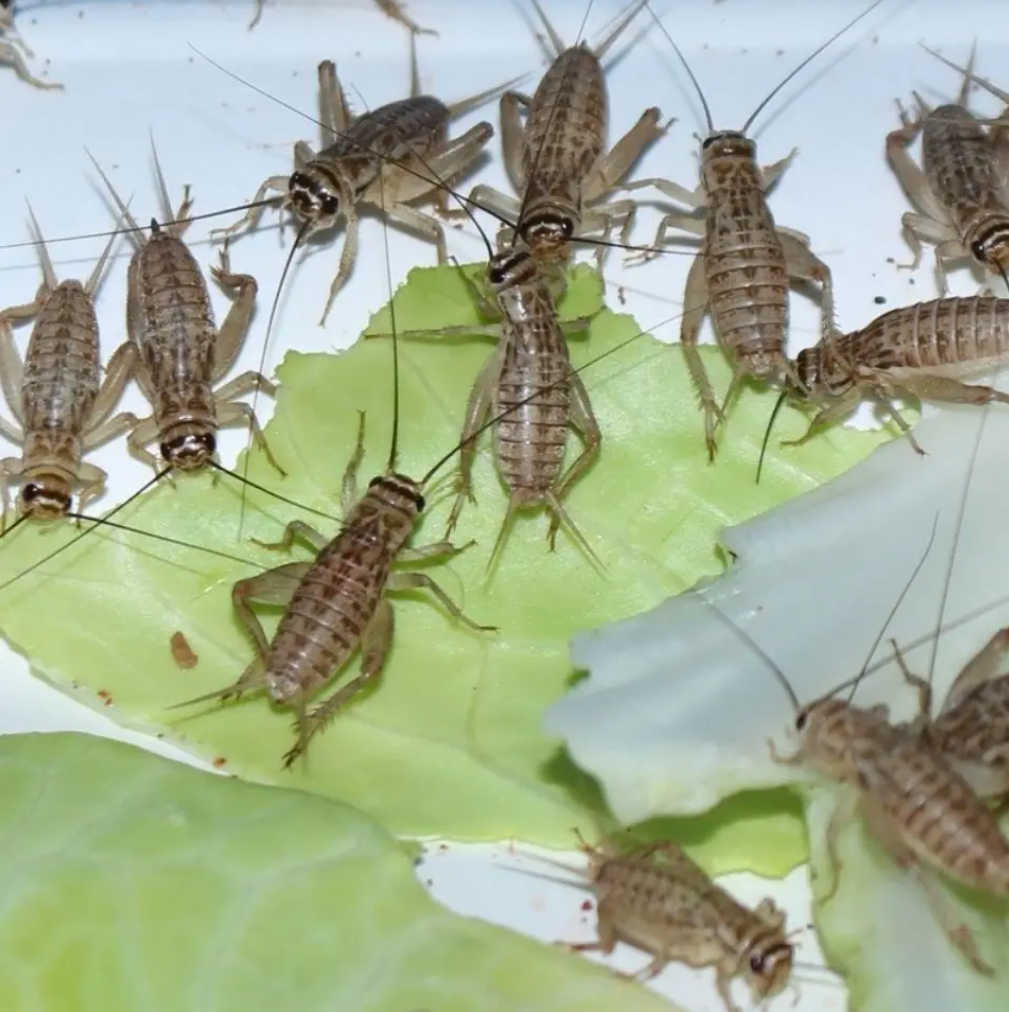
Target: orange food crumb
(182, 652)
(105, 697)
(218, 762)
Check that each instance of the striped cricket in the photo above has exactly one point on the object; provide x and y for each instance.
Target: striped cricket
(921, 350)
(393, 156)
(746, 261)
(960, 189)
(61, 404)
(557, 159)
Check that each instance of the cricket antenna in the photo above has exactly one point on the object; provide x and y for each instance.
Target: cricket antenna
(806, 62)
(295, 247)
(854, 683)
(73, 541)
(742, 635)
(958, 528)
(686, 67)
(394, 438)
(767, 432)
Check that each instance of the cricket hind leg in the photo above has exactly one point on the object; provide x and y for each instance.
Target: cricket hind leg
(887, 836)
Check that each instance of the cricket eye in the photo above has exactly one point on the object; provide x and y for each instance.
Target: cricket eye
(757, 962)
(978, 250)
(800, 720)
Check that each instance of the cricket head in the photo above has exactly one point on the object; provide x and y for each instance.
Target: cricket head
(189, 451)
(46, 497)
(828, 729)
(768, 965)
(317, 196)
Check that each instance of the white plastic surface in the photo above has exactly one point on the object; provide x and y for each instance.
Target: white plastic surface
(129, 69)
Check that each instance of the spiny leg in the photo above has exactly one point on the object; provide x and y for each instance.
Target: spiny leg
(435, 550)
(347, 257)
(478, 408)
(923, 689)
(376, 641)
(845, 810)
(421, 581)
(278, 184)
(512, 139)
(92, 479)
(981, 668)
(828, 416)
(677, 220)
(611, 168)
(695, 306)
(335, 117)
(233, 331)
(275, 586)
(121, 367)
(348, 487)
(295, 529)
(887, 835)
(231, 412)
(583, 419)
(11, 369)
(10, 55)
(146, 431)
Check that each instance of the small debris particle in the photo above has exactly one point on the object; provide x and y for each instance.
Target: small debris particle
(219, 762)
(879, 300)
(430, 883)
(910, 281)
(182, 652)
(622, 295)
(105, 697)
(443, 847)
(586, 905)
(890, 260)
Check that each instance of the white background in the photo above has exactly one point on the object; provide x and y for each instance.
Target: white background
(129, 69)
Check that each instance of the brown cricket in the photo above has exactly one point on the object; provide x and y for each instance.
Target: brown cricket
(557, 160)
(746, 261)
(960, 190)
(655, 898)
(389, 159)
(920, 350)
(61, 404)
(915, 806)
(530, 390)
(180, 352)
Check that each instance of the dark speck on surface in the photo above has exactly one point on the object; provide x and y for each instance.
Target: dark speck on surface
(879, 300)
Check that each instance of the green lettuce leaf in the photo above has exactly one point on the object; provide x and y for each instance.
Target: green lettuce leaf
(879, 932)
(136, 884)
(449, 743)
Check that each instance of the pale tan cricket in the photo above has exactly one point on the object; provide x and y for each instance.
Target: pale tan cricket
(746, 261)
(60, 402)
(655, 898)
(914, 805)
(389, 159)
(921, 350)
(971, 731)
(960, 189)
(530, 391)
(557, 161)
(179, 352)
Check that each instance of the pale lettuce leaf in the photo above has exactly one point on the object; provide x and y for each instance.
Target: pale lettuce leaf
(136, 884)
(449, 743)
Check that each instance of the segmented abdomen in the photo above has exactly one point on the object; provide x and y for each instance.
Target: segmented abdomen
(529, 442)
(62, 366)
(331, 607)
(960, 164)
(566, 124)
(941, 819)
(172, 322)
(747, 281)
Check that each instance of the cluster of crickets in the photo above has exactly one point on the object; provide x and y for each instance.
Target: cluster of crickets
(906, 779)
